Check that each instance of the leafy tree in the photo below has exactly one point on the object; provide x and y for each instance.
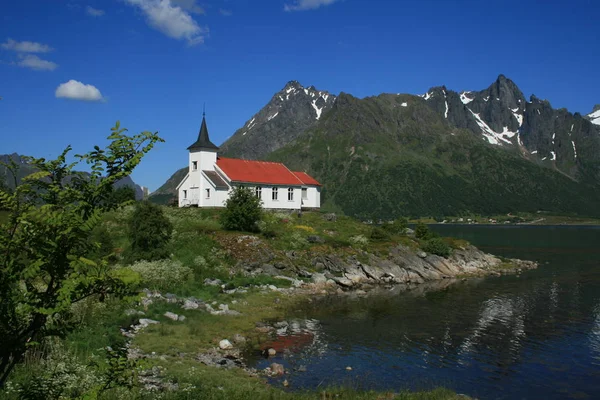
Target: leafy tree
(242, 211)
(380, 234)
(149, 233)
(44, 246)
(398, 227)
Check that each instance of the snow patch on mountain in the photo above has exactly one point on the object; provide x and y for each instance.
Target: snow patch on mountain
(273, 116)
(553, 156)
(405, 104)
(492, 136)
(595, 117)
(574, 148)
(317, 109)
(464, 98)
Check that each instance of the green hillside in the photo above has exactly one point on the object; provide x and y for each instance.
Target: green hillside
(380, 159)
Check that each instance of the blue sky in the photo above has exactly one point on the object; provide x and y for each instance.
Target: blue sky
(69, 69)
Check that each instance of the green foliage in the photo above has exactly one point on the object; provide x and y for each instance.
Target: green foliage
(436, 246)
(45, 245)
(398, 227)
(242, 211)
(102, 244)
(380, 234)
(149, 233)
(422, 232)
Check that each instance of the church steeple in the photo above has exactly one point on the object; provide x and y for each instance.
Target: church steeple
(203, 142)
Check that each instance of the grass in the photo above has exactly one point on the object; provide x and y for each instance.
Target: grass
(200, 244)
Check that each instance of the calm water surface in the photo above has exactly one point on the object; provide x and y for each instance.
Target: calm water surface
(536, 336)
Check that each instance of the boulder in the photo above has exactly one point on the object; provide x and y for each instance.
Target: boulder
(171, 315)
(315, 239)
(225, 345)
(239, 339)
(271, 352)
(330, 217)
(319, 278)
(144, 322)
(190, 305)
(277, 369)
(213, 282)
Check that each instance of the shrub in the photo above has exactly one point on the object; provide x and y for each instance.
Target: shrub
(422, 232)
(104, 247)
(359, 240)
(149, 233)
(436, 246)
(162, 274)
(379, 234)
(398, 227)
(242, 211)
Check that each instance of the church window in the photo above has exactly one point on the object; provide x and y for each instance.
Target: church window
(194, 165)
(208, 193)
(258, 192)
(274, 196)
(185, 194)
(290, 194)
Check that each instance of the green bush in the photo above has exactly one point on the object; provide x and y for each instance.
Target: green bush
(104, 247)
(398, 227)
(422, 232)
(149, 233)
(379, 234)
(436, 246)
(242, 211)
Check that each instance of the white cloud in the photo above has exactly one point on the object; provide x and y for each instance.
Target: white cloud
(301, 5)
(171, 20)
(26, 47)
(189, 5)
(94, 12)
(34, 62)
(76, 90)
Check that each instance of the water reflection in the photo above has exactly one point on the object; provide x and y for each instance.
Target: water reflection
(534, 336)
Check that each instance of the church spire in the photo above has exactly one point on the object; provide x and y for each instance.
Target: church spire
(203, 141)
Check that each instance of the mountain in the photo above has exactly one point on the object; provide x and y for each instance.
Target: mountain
(26, 169)
(441, 153)
(288, 114)
(594, 116)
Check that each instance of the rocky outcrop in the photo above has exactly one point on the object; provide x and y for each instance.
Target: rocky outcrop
(405, 266)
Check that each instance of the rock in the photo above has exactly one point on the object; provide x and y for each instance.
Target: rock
(286, 383)
(315, 239)
(264, 329)
(271, 352)
(319, 278)
(304, 274)
(146, 302)
(239, 339)
(277, 369)
(213, 282)
(422, 254)
(225, 344)
(144, 322)
(181, 318)
(171, 315)
(272, 287)
(343, 281)
(280, 266)
(348, 368)
(171, 298)
(190, 305)
(330, 217)
(302, 368)
(281, 324)
(131, 311)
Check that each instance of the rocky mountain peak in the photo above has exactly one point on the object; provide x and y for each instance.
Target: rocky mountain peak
(594, 116)
(288, 114)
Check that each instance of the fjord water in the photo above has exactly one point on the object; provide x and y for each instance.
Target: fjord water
(533, 336)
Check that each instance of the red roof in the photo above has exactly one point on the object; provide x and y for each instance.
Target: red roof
(262, 172)
(306, 178)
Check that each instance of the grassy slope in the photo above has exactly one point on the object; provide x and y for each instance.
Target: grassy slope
(378, 159)
(198, 234)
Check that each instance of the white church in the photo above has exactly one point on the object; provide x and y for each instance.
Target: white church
(210, 179)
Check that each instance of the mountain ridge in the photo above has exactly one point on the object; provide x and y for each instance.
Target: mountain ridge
(496, 123)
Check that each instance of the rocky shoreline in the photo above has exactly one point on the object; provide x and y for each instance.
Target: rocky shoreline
(356, 275)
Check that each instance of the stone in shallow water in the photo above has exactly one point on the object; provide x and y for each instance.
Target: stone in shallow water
(277, 369)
